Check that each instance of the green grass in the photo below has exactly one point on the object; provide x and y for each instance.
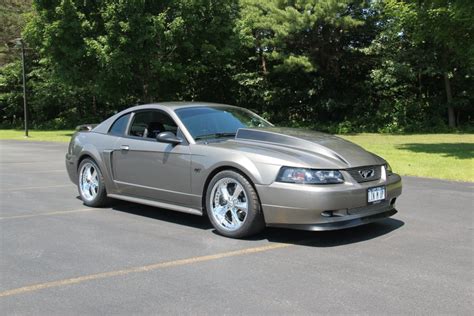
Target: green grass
(442, 156)
(37, 135)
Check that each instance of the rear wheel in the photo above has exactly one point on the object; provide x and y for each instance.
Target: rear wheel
(232, 205)
(91, 184)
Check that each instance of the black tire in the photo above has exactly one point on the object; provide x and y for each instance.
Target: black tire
(100, 199)
(254, 221)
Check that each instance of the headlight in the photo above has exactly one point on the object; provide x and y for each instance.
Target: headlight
(309, 176)
(388, 169)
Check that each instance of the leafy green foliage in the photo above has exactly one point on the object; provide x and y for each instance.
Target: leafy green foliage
(424, 69)
(335, 65)
(304, 51)
(12, 21)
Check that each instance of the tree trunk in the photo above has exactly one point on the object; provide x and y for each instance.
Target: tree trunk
(94, 105)
(264, 64)
(420, 86)
(449, 99)
(145, 92)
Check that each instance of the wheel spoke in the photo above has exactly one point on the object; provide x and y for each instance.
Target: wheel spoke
(220, 211)
(242, 206)
(94, 177)
(237, 191)
(224, 191)
(223, 220)
(235, 218)
(88, 173)
(86, 187)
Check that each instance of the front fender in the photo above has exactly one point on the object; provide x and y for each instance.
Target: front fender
(204, 166)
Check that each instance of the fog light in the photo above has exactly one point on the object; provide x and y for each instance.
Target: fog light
(326, 214)
(337, 213)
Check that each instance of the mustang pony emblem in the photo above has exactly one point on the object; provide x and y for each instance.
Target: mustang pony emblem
(367, 173)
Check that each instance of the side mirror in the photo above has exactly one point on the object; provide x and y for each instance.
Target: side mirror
(168, 137)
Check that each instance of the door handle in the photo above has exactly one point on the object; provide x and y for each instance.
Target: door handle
(125, 147)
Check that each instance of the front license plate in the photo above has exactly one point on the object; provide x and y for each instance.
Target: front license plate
(376, 194)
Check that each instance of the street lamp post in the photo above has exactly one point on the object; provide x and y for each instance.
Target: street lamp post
(25, 103)
(18, 42)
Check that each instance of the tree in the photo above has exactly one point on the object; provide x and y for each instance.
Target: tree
(307, 55)
(432, 40)
(136, 50)
(12, 16)
(335, 65)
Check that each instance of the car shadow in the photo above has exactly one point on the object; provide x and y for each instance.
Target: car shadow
(274, 235)
(200, 222)
(332, 238)
(456, 150)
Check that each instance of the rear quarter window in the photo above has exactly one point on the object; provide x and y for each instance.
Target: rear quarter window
(119, 126)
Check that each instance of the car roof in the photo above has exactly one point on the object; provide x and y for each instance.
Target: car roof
(178, 105)
(104, 126)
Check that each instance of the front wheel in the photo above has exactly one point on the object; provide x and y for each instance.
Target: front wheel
(91, 184)
(232, 205)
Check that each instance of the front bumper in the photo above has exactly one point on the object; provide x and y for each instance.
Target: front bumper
(326, 207)
(346, 223)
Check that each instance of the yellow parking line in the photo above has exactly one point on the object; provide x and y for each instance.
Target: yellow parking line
(151, 267)
(13, 188)
(81, 210)
(22, 162)
(34, 172)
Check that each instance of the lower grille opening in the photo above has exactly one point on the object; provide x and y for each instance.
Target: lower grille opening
(392, 201)
(338, 213)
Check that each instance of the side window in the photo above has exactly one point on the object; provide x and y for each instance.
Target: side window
(119, 126)
(148, 124)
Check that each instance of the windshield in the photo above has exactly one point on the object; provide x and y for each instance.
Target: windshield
(215, 122)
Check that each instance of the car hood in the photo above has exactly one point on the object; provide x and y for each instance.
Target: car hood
(297, 147)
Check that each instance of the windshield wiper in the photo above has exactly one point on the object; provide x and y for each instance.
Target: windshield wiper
(214, 135)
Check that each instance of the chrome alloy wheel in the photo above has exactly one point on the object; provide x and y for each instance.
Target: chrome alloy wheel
(89, 181)
(229, 204)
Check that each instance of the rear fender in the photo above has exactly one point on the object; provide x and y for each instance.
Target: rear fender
(101, 156)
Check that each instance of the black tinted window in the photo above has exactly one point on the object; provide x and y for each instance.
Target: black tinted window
(119, 126)
(148, 124)
(206, 122)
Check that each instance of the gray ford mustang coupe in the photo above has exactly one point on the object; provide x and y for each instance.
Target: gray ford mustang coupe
(232, 165)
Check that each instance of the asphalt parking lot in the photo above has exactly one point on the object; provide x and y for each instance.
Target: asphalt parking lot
(59, 257)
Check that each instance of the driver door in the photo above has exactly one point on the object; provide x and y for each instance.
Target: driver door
(145, 168)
